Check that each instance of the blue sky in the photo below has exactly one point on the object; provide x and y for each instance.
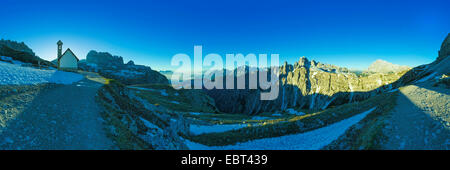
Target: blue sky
(345, 33)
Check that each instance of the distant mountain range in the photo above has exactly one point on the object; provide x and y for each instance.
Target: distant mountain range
(19, 51)
(311, 85)
(18, 46)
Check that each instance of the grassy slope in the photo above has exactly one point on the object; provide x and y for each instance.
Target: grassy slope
(368, 133)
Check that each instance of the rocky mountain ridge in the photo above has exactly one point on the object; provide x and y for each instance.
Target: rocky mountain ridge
(113, 67)
(21, 52)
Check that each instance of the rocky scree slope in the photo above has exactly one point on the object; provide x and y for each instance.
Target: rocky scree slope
(21, 52)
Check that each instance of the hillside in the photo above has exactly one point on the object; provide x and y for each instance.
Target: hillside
(21, 52)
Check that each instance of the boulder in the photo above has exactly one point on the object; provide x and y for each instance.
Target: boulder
(381, 66)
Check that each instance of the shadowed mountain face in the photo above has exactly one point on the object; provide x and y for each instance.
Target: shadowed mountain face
(381, 66)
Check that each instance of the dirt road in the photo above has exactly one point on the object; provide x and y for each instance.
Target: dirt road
(421, 119)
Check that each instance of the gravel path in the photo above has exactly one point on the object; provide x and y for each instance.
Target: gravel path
(421, 119)
(64, 117)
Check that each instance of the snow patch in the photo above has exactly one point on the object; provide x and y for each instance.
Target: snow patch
(200, 129)
(9, 59)
(15, 74)
(127, 73)
(195, 113)
(200, 113)
(163, 91)
(379, 82)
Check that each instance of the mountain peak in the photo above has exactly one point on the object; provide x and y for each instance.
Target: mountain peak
(382, 66)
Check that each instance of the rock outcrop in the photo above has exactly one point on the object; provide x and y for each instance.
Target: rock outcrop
(113, 67)
(307, 84)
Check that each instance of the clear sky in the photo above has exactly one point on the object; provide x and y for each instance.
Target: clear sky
(345, 33)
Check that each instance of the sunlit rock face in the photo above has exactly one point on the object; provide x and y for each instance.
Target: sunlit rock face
(19, 51)
(309, 85)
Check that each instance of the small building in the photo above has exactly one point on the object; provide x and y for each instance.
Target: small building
(68, 60)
